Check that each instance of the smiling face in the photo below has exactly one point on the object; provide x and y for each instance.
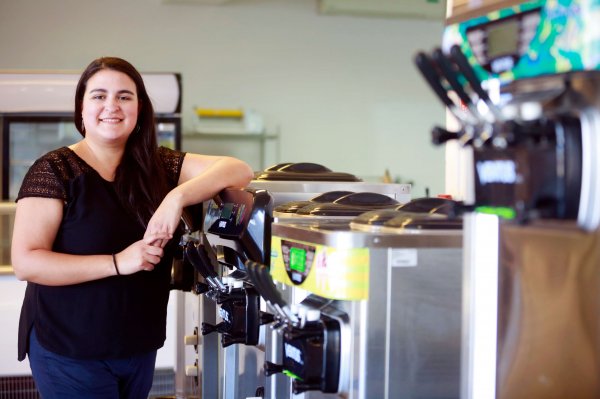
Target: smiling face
(110, 106)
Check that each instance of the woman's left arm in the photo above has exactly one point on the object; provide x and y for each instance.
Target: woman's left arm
(201, 178)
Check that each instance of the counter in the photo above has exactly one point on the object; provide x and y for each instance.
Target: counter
(7, 218)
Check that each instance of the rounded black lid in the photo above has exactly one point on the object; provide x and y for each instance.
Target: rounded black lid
(330, 196)
(350, 205)
(303, 171)
(442, 206)
(377, 217)
(423, 221)
(294, 206)
(367, 199)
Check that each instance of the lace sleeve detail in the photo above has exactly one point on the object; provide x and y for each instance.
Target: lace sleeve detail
(172, 161)
(42, 180)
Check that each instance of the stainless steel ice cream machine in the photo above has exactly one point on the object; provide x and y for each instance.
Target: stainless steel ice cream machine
(345, 294)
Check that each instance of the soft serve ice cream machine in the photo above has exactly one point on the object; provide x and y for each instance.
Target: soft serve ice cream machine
(327, 304)
(343, 307)
(524, 83)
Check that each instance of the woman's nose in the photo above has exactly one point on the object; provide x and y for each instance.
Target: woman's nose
(111, 103)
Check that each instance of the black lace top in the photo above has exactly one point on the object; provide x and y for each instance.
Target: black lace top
(113, 317)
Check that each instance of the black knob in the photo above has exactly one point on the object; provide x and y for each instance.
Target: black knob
(208, 328)
(201, 288)
(227, 340)
(272, 368)
(299, 387)
(440, 135)
(266, 318)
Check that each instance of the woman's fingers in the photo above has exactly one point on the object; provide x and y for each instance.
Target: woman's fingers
(153, 254)
(157, 239)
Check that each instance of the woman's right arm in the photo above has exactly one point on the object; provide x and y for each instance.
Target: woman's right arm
(36, 224)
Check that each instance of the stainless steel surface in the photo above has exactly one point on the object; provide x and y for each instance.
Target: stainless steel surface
(404, 340)
(243, 370)
(7, 217)
(237, 371)
(337, 234)
(286, 191)
(210, 359)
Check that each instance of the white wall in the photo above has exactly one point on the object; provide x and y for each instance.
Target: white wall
(343, 90)
(12, 292)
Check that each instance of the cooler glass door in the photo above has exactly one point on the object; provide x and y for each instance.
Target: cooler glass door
(25, 139)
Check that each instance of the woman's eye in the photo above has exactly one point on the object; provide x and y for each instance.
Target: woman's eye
(125, 98)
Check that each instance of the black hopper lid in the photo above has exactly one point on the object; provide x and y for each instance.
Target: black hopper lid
(350, 205)
(294, 206)
(431, 205)
(419, 213)
(423, 221)
(303, 171)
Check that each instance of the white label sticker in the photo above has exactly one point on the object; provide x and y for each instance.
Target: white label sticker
(402, 257)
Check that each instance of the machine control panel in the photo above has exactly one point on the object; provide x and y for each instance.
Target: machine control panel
(531, 39)
(297, 259)
(227, 218)
(498, 45)
(242, 217)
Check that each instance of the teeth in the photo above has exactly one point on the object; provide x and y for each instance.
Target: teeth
(110, 120)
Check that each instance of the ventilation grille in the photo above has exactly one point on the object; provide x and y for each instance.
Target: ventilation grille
(23, 387)
(18, 388)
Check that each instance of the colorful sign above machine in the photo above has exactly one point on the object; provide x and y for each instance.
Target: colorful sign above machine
(531, 39)
(333, 273)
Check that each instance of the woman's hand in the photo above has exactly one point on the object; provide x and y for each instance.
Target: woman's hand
(165, 220)
(141, 255)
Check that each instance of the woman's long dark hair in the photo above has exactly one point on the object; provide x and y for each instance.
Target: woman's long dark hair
(140, 179)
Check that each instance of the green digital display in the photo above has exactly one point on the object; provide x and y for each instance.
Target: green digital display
(500, 211)
(298, 259)
(291, 375)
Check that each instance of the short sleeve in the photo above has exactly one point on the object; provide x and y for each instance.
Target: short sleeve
(42, 180)
(172, 161)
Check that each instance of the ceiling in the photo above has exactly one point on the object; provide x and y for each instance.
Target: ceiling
(421, 9)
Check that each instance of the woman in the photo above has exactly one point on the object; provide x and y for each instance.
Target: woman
(94, 233)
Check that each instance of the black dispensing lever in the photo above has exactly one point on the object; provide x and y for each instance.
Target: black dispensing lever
(427, 68)
(202, 257)
(439, 135)
(272, 368)
(451, 75)
(424, 64)
(469, 73)
(260, 277)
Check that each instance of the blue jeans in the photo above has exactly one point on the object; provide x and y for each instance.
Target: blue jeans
(60, 377)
